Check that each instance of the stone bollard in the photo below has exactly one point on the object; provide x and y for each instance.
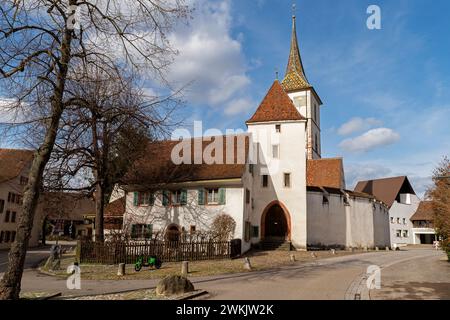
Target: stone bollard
(247, 265)
(333, 251)
(387, 249)
(292, 257)
(313, 255)
(366, 249)
(121, 270)
(377, 249)
(184, 268)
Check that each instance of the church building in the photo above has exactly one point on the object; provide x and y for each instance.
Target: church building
(273, 181)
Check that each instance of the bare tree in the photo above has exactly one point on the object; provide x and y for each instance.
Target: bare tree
(42, 42)
(105, 129)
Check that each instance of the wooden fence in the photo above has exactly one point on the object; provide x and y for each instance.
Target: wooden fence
(129, 251)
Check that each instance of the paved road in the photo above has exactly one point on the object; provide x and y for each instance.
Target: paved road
(410, 274)
(34, 256)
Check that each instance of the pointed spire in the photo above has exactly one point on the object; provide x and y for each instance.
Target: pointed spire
(295, 78)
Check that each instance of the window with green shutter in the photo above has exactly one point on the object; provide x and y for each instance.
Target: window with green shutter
(183, 201)
(148, 231)
(152, 198)
(222, 196)
(166, 198)
(134, 231)
(201, 196)
(136, 198)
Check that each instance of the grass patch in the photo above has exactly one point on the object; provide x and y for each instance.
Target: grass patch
(260, 260)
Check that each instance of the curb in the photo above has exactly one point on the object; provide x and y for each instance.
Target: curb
(193, 295)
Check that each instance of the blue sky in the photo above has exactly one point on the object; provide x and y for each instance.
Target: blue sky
(385, 92)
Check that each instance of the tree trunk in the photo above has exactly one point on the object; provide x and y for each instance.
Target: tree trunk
(44, 230)
(10, 284)
(99, 207)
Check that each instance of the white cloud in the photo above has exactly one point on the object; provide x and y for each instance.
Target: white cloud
(237, 106)
(358, 124)
(364, 171)
(210, 59)
(370, 140)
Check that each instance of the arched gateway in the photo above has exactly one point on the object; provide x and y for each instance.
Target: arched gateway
(275, 222)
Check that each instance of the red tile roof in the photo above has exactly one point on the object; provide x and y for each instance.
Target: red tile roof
(424, 212)
(157, 167)
(276, 106)
(325, 173)
(12, 162)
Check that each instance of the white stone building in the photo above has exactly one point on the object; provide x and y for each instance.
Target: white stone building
(400, 197)
(275, 185)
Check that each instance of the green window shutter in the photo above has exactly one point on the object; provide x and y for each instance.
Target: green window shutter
(165, 199)
(201, 196)
(183, 197)
(148, 230)
(222, 195)
(136, 198)
(152, 198)
(133, 231)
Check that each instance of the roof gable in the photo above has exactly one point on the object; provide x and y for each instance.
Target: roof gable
(12, 162)
(387, 189)
(276, 106)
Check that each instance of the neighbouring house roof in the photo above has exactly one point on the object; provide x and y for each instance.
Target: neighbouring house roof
(276, 106)
(157, 166)
(387, 189)
(424, 212)
(325, 173)
(114, 211)
(13, 161)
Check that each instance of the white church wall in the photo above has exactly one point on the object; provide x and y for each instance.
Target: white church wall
(292, 160)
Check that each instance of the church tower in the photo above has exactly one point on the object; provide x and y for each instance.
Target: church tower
(303, 95)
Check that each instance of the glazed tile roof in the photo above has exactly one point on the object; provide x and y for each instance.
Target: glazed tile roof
(295, 78)
(325, 173)
(12, 162)
(276, 106)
